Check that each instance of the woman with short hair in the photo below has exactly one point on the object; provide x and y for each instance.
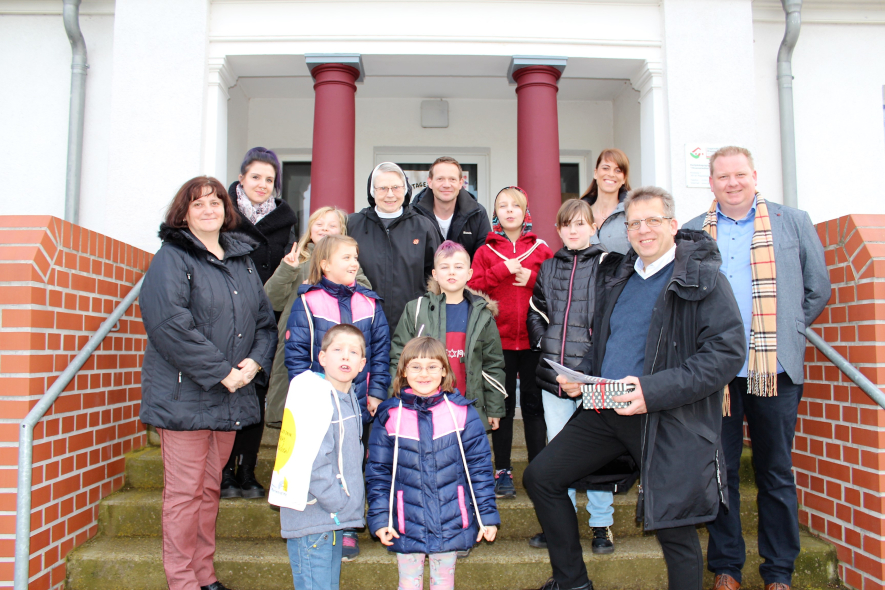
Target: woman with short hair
(210, 332)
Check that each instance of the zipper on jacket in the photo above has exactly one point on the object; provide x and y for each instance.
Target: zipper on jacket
(568, 306)
(177, 390)
(719, 479)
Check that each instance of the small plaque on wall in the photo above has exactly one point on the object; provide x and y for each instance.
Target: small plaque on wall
(697, 164)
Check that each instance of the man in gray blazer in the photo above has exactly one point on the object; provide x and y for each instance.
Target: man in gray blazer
(770, 397)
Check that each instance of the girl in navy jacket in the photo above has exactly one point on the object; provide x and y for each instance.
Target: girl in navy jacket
(334, 297)
(429, 478)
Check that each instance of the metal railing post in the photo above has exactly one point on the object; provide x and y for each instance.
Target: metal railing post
(26, 439)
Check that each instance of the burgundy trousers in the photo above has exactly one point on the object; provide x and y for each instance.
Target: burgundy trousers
(192, 464)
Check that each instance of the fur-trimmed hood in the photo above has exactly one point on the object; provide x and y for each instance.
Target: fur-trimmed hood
(492, 305)
(234, 243)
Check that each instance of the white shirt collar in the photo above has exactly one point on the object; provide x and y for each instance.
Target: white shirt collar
(655, 266)
(384, 215)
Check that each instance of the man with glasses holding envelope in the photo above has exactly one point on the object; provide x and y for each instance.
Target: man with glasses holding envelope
(667, 327)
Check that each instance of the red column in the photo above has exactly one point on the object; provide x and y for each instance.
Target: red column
(537, 139)
(334, 121)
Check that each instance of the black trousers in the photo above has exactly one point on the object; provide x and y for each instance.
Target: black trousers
(248, 440)
(589, 441)
(522, 364)
(772, 423)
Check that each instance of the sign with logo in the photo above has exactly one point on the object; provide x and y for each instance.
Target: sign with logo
(697, 164)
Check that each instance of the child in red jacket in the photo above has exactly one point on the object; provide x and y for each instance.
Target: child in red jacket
(506, 268)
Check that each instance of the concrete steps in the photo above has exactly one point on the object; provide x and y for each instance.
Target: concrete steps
(107, 563)
(127, 553)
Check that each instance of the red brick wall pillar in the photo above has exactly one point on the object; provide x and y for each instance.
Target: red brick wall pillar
(839, 455)
(60, 282)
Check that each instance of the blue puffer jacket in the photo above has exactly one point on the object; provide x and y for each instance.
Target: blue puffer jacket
(433, 510)
(329, 304)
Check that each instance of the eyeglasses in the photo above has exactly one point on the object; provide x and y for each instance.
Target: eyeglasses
(649, 222)
(397, 189)
(431, 369)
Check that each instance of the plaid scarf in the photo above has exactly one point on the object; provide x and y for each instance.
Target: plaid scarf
(762, 361)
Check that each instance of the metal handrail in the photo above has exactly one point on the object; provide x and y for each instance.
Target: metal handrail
(26, 439)
(847, 368)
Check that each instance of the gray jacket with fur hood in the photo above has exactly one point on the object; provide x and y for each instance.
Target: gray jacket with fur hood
(484, 357)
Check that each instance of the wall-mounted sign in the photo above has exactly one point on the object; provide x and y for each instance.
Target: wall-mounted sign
(697, 164)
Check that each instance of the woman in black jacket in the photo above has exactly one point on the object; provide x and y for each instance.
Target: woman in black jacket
(397, 244)
(267, 219)
(210, 331)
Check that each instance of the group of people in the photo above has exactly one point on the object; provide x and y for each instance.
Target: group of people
(394, 339)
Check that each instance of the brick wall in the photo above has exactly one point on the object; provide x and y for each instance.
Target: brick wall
(839, 455)
(59, 282)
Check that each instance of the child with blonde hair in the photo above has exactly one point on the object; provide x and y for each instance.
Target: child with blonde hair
(429, 479)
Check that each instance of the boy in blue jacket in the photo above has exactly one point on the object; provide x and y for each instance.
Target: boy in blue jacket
(336, 496)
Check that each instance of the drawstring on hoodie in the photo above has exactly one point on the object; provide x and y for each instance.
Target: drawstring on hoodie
(482, 527)
(399, 417)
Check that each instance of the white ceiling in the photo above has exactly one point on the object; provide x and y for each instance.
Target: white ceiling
(429, 76)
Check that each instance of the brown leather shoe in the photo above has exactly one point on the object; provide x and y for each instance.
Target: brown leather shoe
(726, 582)
(777, 586)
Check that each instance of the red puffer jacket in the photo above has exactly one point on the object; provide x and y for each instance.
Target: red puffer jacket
(490, 275)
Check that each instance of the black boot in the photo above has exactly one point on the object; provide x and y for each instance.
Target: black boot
(229, 486)
(552, 585)
(248, 484)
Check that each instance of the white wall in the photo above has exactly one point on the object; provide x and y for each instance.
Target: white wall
(710, 85)
(237, 133)
(36, 66)
(839, 73)
(626, 130)
(287, 126)
(156, 113)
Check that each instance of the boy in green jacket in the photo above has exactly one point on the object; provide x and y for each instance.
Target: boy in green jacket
(463, 320)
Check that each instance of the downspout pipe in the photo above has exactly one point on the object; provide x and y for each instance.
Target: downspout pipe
(793, 10)
(71, 16)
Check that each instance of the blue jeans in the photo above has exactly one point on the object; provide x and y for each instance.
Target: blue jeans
(557, 411)
(772, 424)
(316, 560)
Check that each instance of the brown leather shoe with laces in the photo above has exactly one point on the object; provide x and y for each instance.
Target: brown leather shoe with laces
(726, 582)
(777, 586)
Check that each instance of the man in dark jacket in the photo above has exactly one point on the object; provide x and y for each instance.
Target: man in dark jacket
(668, 324)
(396, 244)
(453, 211)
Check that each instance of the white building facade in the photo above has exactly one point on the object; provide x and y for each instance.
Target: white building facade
(178, 88)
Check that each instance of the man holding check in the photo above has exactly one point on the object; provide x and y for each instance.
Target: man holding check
(667, 323)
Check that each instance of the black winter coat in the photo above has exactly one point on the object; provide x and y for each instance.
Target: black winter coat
(398, 259)
(695, 346)
(203, 317)
(470, 223)
(565, 287)
(271, 233)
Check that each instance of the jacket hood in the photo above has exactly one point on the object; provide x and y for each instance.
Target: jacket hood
(496, 240)
(410, 400)
(466, 202)
(622, 194)
(472, 295)
(588, 252)
(696, 267)
(337, 290)
(234, 243)
(370, 186)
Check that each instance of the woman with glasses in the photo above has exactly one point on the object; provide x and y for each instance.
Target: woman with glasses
(396, 243)
(611, 182)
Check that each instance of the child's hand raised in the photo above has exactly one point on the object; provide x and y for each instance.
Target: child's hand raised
(522, 277)
(488, 533)
(292, 257)
(513, 265)
(387, 534)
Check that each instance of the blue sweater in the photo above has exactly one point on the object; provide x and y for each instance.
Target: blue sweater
(625, 349)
